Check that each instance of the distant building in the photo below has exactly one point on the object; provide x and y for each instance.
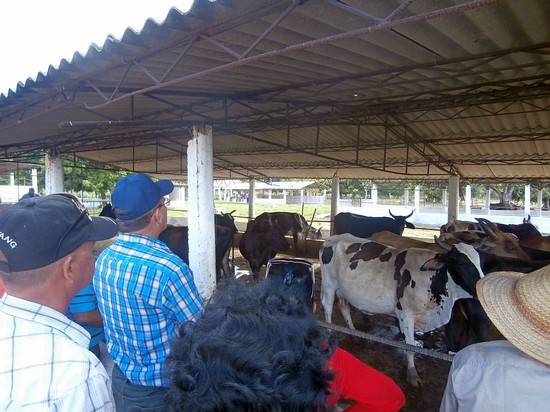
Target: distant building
(273, 193)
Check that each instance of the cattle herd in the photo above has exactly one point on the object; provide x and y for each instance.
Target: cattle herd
(370, 265)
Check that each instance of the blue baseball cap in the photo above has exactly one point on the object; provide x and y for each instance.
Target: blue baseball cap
(135, 195)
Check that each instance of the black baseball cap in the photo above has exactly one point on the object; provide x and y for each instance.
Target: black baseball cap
(38, 231)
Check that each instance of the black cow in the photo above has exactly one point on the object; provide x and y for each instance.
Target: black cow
(286, 223)
(107, 211)
(366, 226)
(226, 220)
(522, 230)
(260, 242)
(469, 323)
(177, 239)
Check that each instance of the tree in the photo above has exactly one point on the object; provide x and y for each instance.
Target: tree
(507, 192)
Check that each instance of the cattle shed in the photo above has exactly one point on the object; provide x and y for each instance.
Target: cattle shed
(384, 90)
(422, 90)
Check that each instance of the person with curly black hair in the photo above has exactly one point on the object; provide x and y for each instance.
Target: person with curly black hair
(254, 349)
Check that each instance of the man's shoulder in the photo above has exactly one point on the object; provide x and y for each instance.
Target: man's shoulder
(495, 352)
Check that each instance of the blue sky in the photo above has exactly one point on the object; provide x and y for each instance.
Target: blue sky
(35, 34)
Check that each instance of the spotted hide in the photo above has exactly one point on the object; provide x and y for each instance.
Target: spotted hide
(417, 286)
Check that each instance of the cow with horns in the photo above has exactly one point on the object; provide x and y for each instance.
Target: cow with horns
(366, 226)
(417, 286)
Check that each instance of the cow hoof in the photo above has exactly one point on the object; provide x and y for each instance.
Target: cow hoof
(413, 378)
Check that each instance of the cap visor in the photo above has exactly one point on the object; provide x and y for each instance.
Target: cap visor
(103, 228)
(166, 187)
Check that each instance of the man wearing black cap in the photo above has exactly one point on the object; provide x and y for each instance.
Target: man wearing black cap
(45, 259)
(145, 292)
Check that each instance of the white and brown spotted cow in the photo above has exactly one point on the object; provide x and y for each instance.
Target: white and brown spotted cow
(418, 286)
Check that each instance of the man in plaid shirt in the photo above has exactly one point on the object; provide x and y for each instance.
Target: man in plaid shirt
(145, 292)
(45, 259)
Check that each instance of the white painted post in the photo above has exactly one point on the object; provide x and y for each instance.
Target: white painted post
(417, 199)
(406, 200)
(539, 202)
(202, 245)
(453, 198)
(251, 198)
(34, 179)
(12, 179)
(54, 173)
(488, 200)
(527, 201)
(334, 201)
(444, 196)
(468, 206)
(374, 194)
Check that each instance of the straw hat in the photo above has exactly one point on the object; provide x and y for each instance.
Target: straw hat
(519, 306)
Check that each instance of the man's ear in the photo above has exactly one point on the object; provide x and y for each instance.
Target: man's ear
(68, 267)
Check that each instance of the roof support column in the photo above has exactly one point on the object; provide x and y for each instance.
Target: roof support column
(251, 198)
(200, 206)
(452, 212)
(54, 173)
(468, 200)
(527, 201)
(334, 201)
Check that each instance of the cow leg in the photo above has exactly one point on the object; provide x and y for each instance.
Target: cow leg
(225, 269)
(297, 250)
(406, 323)
(345, 309)
(327, 300)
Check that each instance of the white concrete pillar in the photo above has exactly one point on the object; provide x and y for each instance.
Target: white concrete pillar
(374, 194)
(539, 202)
(444, 196)
(488, 200)
(334, 201)
(54, 173)
(406, 196)
(202, 244)
(251, 198)
(34, 179)
(527, 201)
(417, 199)
(285, 194)
(452, 213)
(12, 179)
(468, 205)
(301, 196)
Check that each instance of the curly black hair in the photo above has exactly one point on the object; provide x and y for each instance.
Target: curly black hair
(256, 348)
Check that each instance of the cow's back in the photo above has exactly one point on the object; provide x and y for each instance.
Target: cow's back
(362, 226)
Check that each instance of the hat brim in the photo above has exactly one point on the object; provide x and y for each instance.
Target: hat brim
(103, 228)
(166, 187)
(498, 296)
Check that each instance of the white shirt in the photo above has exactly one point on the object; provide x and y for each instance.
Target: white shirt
(496, 376)
(45, 362)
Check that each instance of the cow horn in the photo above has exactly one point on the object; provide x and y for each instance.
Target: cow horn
(527, 220)
(442, 244)
(487, 226)
(404, 217)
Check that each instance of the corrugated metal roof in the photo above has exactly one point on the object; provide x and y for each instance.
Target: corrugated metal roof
(362, 89)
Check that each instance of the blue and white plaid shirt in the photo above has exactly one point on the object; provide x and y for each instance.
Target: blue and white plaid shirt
(46, 364)
(145, 292)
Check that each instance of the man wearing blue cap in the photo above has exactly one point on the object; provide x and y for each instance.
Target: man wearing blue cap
(145, 292)
(45, 259)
